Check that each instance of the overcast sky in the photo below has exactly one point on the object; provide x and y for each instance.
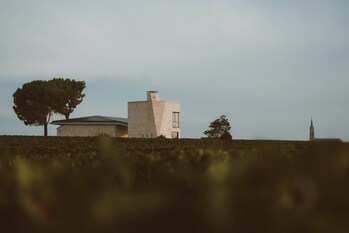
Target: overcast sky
(267, 65)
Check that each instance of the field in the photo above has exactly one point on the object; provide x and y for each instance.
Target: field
(156, 185)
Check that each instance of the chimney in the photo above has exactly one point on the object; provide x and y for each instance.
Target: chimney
(152, 96)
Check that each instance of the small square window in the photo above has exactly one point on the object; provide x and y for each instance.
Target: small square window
(175, 135)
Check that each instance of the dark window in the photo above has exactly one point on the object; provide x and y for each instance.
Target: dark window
(175, 135)
(175, 119)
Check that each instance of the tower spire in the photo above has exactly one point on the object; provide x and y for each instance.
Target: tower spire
(311, 131)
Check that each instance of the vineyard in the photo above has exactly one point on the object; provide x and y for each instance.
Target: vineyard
(103, 184)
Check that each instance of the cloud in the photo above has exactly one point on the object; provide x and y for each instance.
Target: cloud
(7, 112)
(130, 40)
(242, 58)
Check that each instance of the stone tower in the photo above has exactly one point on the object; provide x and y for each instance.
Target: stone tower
(311, 131)
(153, 118)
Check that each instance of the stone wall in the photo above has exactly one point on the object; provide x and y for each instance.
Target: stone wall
(92, 130)
(167, 128)
(137, 119)
(152, 118)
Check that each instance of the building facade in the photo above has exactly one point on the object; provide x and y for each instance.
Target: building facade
(146, 119)
(92, 126)
(153, 117)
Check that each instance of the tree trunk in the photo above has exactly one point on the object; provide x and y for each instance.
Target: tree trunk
(45, 129)
(66, 116)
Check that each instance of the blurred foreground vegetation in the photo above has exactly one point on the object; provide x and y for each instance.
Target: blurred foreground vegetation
(156, 185)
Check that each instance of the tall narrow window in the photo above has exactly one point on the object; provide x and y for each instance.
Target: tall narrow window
(175, 119)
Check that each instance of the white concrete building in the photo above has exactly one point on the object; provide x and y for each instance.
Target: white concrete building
(146, 119)
(153, 117)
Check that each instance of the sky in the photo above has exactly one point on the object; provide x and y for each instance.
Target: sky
(269, 66)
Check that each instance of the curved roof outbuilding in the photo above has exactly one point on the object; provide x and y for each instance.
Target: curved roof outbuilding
(95, 120)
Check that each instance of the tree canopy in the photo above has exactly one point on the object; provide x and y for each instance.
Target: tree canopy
(36, 101)
(219, 128)
(70, 95)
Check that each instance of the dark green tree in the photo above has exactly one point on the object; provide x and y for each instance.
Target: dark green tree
(33, 104)
(219, 128)
(69, 93)
(36, 101)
